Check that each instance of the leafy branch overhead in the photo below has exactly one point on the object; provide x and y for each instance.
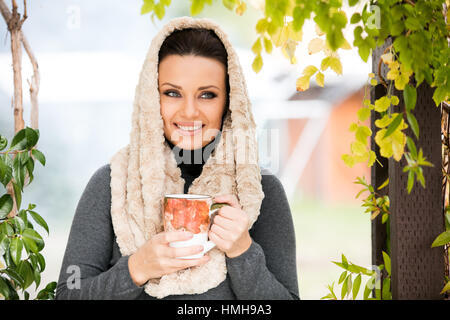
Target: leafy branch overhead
(418, 32)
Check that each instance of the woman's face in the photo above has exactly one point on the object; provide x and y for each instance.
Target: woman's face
(193, 96)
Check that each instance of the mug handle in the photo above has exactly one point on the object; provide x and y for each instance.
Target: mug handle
(212, 212)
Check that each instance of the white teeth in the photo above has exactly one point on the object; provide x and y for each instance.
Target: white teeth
(189, 128)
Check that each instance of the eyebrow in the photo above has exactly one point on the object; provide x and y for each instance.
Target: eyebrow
(200, 88)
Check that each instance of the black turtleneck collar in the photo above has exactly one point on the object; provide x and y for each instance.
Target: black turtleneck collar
(191, 162)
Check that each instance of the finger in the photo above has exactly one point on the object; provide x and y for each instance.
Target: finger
(219, 241)
(179, 264)
(224, 223)
(230, 213)
(230, 199)
(170, 236)
(221, 232)
(183, 251)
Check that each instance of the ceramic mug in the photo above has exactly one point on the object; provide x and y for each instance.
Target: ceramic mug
(193, 213)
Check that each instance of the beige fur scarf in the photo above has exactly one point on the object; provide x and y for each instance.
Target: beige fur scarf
(146, 169)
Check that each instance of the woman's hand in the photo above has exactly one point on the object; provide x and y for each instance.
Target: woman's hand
(230, 228)
(156, 258)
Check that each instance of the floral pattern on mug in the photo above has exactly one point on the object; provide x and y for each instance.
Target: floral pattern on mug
(186, 214)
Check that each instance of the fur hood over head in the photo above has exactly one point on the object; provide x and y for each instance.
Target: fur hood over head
(145, 170)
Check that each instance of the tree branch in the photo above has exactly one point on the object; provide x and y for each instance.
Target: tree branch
(35, 80)
(14, 23)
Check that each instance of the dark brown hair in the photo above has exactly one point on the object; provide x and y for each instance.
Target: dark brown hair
(198, 42)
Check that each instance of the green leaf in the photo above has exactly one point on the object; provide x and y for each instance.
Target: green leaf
(19, 174)
(5, 170)
(382, 104)
(4, 288)
(37, 277)
(6, 205)
(397, 28)
(34, 261)
(394, 125)
(440, 94)
(446, 288)
(362, 133)
(15, 249)
(268, 45)
(30, 168)
(26, 271)
(356, 17)
(39, 156)
(356, 286)
(410, 183)
(5, 228)
(197, 7)
(257, 46)
(48, 292)
(14, 275)
(387, 262)
(17, 195)
(412, 147)
(384, 184)
(19, 141)
(40, 221)
(349, 284)
(364, 51)
(339, 264)
(413, 123)
(159, 10)
(32, 137)
(367, 289)
(420, 177)
(363, 113)
(325, 64)
(344, 289)
(31, 235)
(342, 277)
(344, 261)
(441, 239)
(257, 63)
(25, 139)
(30, 244)
(3, 142)
(147, 6)
(41, 261)
(229, 4)
(413, 24)
(19, 224)
(410, 97)
(386, 291)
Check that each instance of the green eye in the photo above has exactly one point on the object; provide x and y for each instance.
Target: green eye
(209, 95)
(171, 93)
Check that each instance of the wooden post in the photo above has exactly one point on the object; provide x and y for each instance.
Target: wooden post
(379, 173)
(417, 270)
(416, 218)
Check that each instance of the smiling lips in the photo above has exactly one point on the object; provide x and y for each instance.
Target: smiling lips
(189, 128)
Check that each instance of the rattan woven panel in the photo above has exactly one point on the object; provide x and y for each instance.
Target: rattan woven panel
(416, 219)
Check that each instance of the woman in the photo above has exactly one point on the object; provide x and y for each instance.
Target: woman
(192, 132)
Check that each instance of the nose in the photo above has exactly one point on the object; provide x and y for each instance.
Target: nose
(190, 110)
